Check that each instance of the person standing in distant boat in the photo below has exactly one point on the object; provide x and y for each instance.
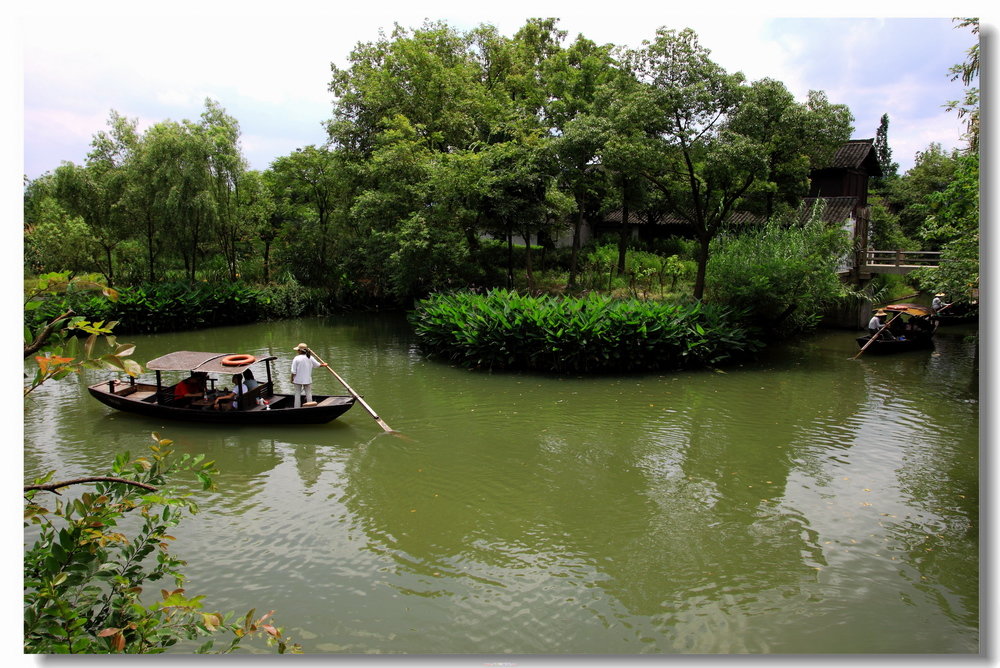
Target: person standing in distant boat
(302, 367)
(937, 303)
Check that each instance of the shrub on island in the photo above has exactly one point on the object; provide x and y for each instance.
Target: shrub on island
(592, 334)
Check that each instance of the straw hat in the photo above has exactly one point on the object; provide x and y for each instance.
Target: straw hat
(880, 312)
(301, 346)
(940, 294)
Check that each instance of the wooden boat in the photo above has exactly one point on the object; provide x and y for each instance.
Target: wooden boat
(913, 329)
(958, 314)
(900, 345)
(260, 405)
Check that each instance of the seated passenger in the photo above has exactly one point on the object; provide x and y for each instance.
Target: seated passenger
(190, 388)
(249, 380)
(228, 402)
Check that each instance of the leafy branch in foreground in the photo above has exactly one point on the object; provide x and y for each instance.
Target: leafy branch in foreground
(94, 555)
(57, 340)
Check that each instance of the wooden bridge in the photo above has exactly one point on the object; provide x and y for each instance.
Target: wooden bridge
(897, 261)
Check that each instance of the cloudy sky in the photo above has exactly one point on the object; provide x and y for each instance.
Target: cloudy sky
(269, 68)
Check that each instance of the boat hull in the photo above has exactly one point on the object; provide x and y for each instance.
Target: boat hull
(141, 400)
(891, 346)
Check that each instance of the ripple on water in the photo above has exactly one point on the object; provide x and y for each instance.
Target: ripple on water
(702, 512)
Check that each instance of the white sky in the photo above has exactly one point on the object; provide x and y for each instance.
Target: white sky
(269, 67)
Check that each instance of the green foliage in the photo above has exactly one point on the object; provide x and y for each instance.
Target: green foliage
(438, 138)
(645, 273)
(166, 307)
(710, 143)
(58, 241)
(286, 299)
(784, 276)
(968, 72)
(911, 195)
(63, 342)
(87, 574)
(955, 226)
(885, 231)
(593, 334)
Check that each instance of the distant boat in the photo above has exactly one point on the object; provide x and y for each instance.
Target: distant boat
(915, 332)
(958, 314)
(259, 405)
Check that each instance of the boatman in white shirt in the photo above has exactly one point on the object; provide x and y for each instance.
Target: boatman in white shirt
(875, 324)
(302, 367)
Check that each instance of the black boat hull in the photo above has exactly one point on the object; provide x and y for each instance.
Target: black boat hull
(891, 346)
(143, 402)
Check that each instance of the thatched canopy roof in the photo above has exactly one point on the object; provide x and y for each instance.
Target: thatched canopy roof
(187, 360)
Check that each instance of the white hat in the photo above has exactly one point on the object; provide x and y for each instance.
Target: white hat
(301, 346)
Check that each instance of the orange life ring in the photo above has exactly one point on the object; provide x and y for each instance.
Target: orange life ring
(238, 360)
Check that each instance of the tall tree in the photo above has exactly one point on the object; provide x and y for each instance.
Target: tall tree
(220, 134)
(701, 168)
(54, 240)
(883, 153)
(95, 192)
(968, 72)
(954, 225)
(911, 196)
(426, 75)
(714, 145)
(573, 79)
(796, 138)
(313, 178)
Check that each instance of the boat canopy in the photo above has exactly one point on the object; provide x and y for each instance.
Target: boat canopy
(909, 309)
(186, 360)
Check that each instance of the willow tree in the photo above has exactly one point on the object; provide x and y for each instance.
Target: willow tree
(313, 185)
(220, 135)
(95, 191)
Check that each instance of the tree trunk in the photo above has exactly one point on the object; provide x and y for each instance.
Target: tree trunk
(527, 261)
(623, 238)
(699, 281)
(471, 238)
(510, 258)
(149, 247)
(111, 270)
(575, 252)
(267, 261)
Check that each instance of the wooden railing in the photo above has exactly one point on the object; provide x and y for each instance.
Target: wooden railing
(899, 261)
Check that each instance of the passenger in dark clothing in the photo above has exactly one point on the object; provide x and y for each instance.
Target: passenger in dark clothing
(249, 380)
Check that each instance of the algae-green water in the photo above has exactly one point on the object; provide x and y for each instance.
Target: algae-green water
(801, 503)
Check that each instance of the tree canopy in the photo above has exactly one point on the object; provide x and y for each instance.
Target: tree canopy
(443, 146)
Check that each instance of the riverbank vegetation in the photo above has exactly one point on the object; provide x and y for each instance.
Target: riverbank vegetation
(449, 150)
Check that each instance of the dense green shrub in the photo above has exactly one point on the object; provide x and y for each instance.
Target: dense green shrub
(165, 307)
(645, 272)
(783, 276)
(506, 330)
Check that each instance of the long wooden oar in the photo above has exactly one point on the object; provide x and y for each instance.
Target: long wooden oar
(357, 396)
(873, 337)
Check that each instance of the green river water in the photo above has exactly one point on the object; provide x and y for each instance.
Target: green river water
(804, 503)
